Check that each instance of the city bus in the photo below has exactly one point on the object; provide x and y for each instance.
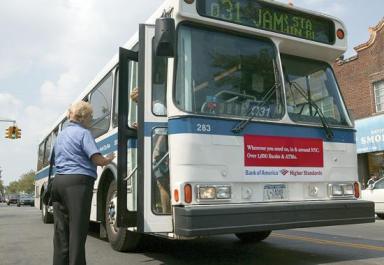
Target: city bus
(239, 127)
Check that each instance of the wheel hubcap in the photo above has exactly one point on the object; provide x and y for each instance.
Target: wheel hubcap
(112, 212)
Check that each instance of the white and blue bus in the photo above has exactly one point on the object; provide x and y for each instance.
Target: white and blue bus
(239, 128)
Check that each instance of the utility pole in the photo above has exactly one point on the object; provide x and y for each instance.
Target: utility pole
(7, 120)
(1, 190)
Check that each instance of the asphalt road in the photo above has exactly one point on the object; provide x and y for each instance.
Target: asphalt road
(24, 239)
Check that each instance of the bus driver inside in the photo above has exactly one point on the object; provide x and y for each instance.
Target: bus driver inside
(160, 158)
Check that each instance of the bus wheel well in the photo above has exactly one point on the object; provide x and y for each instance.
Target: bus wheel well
(106, 178)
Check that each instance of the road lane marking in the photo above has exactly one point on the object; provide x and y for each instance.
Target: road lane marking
(329, 242)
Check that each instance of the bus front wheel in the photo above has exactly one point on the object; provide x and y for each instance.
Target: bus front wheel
(253, 237)
(120, 238)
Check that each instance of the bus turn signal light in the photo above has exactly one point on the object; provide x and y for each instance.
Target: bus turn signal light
(188, 193)
(356, 188)
(176, 195)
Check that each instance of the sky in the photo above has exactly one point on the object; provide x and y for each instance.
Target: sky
(51, 49)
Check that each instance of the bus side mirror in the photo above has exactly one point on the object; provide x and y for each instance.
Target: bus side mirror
(165, 37)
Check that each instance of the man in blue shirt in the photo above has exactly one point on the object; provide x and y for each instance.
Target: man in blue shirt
(75, 148)
(76, 160)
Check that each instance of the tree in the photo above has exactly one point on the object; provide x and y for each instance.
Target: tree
(1, 187)
(13, 187)
(26, 182)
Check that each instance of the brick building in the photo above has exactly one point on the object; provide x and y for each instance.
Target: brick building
(361, 80)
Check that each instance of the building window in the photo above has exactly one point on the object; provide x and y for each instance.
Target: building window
(378, 88)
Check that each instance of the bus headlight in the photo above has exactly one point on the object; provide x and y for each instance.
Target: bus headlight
(341, 189)
(206, 192)
(223, 192)
(348, 189)
(211, 192)
(336, 190)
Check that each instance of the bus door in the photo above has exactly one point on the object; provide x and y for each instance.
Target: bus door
(152, 188)
(153, 175)
(127, 140)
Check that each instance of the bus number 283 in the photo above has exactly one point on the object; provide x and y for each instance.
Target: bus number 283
(202, 127)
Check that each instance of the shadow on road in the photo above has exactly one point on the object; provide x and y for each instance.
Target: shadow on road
(228, 250)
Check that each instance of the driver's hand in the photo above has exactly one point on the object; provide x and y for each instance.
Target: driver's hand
(155, 155)
(135, 94)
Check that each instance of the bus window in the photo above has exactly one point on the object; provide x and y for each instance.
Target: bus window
(54, 136)
(161, 203)
(133, 83)
(40, 159)
(116, 100)
(47, 152)
(311, 88)
(234, 78)
(159, 85)
(101, 99)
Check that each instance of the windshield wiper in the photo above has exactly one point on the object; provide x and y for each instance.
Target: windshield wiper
(251, 113)
(328, 131)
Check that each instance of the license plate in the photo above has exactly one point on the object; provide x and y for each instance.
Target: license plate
(275, 192)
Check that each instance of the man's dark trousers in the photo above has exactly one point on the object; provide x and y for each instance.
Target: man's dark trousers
(71, 196)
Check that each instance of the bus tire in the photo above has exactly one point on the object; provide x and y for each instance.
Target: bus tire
(253, 237)
(46, 216)
(380, 215)
(120, 239)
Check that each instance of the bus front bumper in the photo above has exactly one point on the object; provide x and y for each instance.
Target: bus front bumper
(225, 219)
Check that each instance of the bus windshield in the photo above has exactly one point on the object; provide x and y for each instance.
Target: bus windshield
(222, 74)
(312, 92)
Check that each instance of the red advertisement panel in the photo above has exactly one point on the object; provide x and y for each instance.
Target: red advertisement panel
(276, 151)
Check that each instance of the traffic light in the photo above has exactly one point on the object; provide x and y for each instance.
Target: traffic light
(12, 132)
(18, 133)
(8, 132)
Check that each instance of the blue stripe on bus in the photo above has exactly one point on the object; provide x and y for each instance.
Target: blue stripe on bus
(106, 146)
(211, 126)
(43, 173)
(109, 144)
(197, 125)
(150, 126)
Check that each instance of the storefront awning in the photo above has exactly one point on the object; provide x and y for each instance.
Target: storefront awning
(370, 134)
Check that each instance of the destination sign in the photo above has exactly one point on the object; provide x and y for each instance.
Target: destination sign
(265, 16)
